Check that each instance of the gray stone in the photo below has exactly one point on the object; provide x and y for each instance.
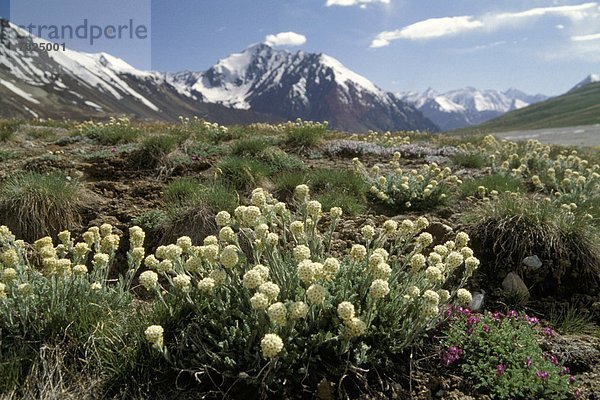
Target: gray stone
(533, 262)
(477, 301)
(513, 283)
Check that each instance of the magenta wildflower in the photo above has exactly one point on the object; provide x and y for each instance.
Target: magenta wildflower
(114, 149)
(543, 375)
(451, 355)
(513, 314)
(532, 320)
(486, 328)
(500, 368)
(528, 362)
(549, 332)
(497, 316)
(551, 357)
(473, 319)
(572, 379)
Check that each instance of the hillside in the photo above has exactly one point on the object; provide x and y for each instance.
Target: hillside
(577, 107)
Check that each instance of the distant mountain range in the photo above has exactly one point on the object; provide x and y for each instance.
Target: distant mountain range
(258, 84)
(579, 106)
(468, 106)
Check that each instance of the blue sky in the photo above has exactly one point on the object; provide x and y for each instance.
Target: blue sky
(543, 46)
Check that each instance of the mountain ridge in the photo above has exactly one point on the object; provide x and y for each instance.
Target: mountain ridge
(468, 106)
(259, 84)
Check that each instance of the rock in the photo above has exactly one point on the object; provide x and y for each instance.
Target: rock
(578, 352)
(533, 262)
(67, 140)
(477, 301)
(513, 283)
(439, 232)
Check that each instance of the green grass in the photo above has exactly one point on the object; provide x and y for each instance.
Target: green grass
(305, 136)
(35, 205)
(569, 320)
(333, 187)
(470, 160)
(498, 182)
(579, 107)
(8, 129)
(113, 134)
(250, 147)
(6, 155)
(243, 173)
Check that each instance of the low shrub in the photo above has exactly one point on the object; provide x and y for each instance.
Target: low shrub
(482, 346)
(190, 207)
(35, 205)
(268, 302)
(58, 302)
(469, 160)
(154, 149)
(421, 189)
(8, 129)
(115, 131)
(304, 134)
(250, 147)
(243, 173)
(490, 185)
(511, 227)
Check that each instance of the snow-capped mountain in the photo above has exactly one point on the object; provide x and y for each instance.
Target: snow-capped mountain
(468, 106)
(591, 78)
(300, 85)
(258, 84)
(73, 84)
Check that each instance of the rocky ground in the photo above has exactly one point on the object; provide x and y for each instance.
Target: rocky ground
(121, 191)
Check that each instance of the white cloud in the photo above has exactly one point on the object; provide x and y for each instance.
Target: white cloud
(429, 29)
(560, 26)
(448, 26)
(586, 38)
(361, 3)
(285, 39)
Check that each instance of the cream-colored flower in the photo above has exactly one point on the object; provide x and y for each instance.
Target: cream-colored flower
(345, 310)
(105, 230)
(313, 209)
(298, 310)
(229, 256)
(390, 226)
(148, 279)
(272, 239)
(210, 240)
(136, 236)
(454, 259)
(464, 297)
(185, 243)
(223, 218)
(259, 301)
(302, 193)
(270, 289)
(251, 215)
(2, 290)
(165, 266)
(80, 270)
(379, 289)
(218, 276)
(297, 228)
(154, 335)
(271, 345)
(305, 272)
(316, 294)
(9, 275)
(358, 252)
(431, 297)
(335, 212)
(444, 295)
(152, 262)
(417, 261)
(24, 289)
(101, 260)
(355, 327)
(434, 275)
(461, 240)
(64, 237)
(252, 279)
(424, 240)
(277, 313)
(368, 232)
(261, 231)
(96, 286)
(206, 285)
(301, 253)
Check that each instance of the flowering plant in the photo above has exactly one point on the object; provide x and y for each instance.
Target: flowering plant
(500, 354)
(268, 298)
